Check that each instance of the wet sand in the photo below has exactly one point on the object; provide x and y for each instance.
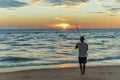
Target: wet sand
(92, 73)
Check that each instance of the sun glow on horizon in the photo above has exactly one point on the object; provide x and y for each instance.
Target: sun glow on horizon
(63, 25)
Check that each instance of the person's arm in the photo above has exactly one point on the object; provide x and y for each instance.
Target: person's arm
(86, 46)
(76, 46)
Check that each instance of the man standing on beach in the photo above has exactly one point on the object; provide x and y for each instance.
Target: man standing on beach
(82, 57)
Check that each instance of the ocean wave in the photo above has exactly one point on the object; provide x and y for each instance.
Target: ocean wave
(7, 49)
(63, 45)
(63, 35)
(105, 58)
(17, 59)
(64, 53)
(38, 64)
(104, 36)
(17, 44)
(96, 43)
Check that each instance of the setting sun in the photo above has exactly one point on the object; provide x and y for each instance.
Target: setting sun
(63, 25)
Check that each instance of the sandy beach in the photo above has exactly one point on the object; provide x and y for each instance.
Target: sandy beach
(92, 73)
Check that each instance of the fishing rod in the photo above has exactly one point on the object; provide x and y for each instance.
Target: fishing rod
(77, 28)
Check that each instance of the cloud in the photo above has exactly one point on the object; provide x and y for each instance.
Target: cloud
(115, 9)
(112, 15)
(66, 2)
(36, 1)
(110, 5)
(99, 12)
(112, 9)
(117, 0)
(52, 3)
(60, 19)
(11, 3)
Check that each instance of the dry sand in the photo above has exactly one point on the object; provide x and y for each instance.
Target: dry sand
(92, 73)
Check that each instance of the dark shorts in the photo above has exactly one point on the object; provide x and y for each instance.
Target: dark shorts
(82, 59)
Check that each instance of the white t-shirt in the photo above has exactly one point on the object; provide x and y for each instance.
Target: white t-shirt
(83, 47)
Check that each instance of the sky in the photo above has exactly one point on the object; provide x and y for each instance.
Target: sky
(59, 13)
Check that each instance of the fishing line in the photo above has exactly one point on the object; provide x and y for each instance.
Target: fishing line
(77, 28)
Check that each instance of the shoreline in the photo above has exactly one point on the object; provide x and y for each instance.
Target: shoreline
(110, 72)
(62, 66)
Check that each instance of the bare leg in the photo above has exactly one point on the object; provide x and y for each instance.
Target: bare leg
(84, 67)
(81, 68)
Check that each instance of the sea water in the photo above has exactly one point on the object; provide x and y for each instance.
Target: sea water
(55, 48)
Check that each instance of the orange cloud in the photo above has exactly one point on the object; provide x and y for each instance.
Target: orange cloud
(36, 1)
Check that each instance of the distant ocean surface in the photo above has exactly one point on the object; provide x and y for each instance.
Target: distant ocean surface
(54, 48)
